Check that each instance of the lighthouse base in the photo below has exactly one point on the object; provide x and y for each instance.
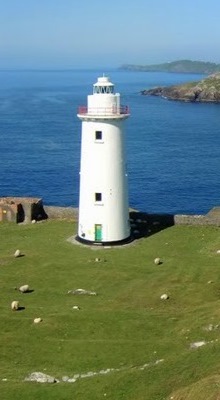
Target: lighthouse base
(127, 240)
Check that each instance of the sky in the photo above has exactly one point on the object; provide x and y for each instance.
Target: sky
(98, 33)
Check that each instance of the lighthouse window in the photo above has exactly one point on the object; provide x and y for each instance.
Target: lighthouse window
(103, 89)
(98, 135)
(98, 196)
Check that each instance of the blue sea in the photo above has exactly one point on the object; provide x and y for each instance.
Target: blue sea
(172, 147)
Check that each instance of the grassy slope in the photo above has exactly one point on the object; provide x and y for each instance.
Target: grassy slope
(207, 83)
(125, 326)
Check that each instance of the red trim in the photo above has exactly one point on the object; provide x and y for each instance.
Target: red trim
(83, 110)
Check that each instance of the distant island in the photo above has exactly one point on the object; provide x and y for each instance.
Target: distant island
(207, 90)
(180, 66)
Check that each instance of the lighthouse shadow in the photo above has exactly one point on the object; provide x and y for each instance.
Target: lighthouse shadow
(144, 225)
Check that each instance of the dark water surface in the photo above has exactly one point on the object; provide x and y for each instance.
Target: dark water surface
(172, 147)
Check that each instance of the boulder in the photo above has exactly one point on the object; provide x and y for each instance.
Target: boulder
(41, 378)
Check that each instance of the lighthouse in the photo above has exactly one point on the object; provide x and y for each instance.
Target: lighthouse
(103, 194)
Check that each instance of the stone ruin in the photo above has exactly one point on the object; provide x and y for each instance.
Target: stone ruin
(21, 209)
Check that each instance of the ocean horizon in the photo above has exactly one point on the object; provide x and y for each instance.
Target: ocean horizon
(172, 148)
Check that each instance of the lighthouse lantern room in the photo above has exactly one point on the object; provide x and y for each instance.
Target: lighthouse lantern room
(103, 197)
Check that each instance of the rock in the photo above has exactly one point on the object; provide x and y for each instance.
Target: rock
(17, 253)
(71, 380)
(157, 261)
(33, 221)
(218, 251)
(164, 296)
(68, 380)
(24, 289)
(156, 223)
(65, 378)
(211, 327)
(76, 308)
(41, 378)
(37, 320)
(207, 90)
(195, 345)
(82, 292)
(15, 305)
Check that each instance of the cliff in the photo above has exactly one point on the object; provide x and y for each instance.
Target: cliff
(207, 90)
(180, 66)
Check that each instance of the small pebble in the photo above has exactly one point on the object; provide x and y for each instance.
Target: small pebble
(17, 253)
(15, 305)
(164, 296)
(37, 320)
(157, 261)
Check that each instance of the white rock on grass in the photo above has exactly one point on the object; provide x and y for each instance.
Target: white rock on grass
(41, 378)
(37, 320)
(68, 380)
(82, 292)
(15, 305)
(157, 261)
(218, 251)
(164, 296)
(65, 378)
(17, 253)
(24, 289)
(195, 345)
(76, 308)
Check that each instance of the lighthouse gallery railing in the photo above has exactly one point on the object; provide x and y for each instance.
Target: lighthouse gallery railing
(122, 110)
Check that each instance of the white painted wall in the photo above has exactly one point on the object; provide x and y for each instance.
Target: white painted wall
(103, 170)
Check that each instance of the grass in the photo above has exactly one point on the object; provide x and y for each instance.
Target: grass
(123, 328)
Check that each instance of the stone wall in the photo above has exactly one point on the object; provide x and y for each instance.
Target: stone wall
(211, 218)
(54, 212)
(34, 209)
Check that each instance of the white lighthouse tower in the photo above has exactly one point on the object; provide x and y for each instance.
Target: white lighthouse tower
(103, 199)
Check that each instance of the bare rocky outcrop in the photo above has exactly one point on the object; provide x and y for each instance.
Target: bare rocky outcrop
(40, 377)
(206, 91)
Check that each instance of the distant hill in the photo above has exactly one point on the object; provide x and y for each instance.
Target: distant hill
(181, 66)
(207, 90)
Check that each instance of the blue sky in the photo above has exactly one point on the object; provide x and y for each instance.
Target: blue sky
(94, 33)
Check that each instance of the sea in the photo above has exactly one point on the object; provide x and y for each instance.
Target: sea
(172, 148)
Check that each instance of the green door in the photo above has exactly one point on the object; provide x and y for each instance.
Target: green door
(98, 232)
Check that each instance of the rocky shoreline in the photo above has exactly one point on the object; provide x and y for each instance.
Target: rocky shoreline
(205, 91)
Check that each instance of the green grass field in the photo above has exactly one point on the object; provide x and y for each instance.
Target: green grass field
(125, 329)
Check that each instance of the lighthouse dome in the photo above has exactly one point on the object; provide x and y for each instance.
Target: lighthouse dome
(103, 85)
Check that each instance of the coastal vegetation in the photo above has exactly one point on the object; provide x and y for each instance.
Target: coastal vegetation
(207, 90)
(179, 66)
(123, 342)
